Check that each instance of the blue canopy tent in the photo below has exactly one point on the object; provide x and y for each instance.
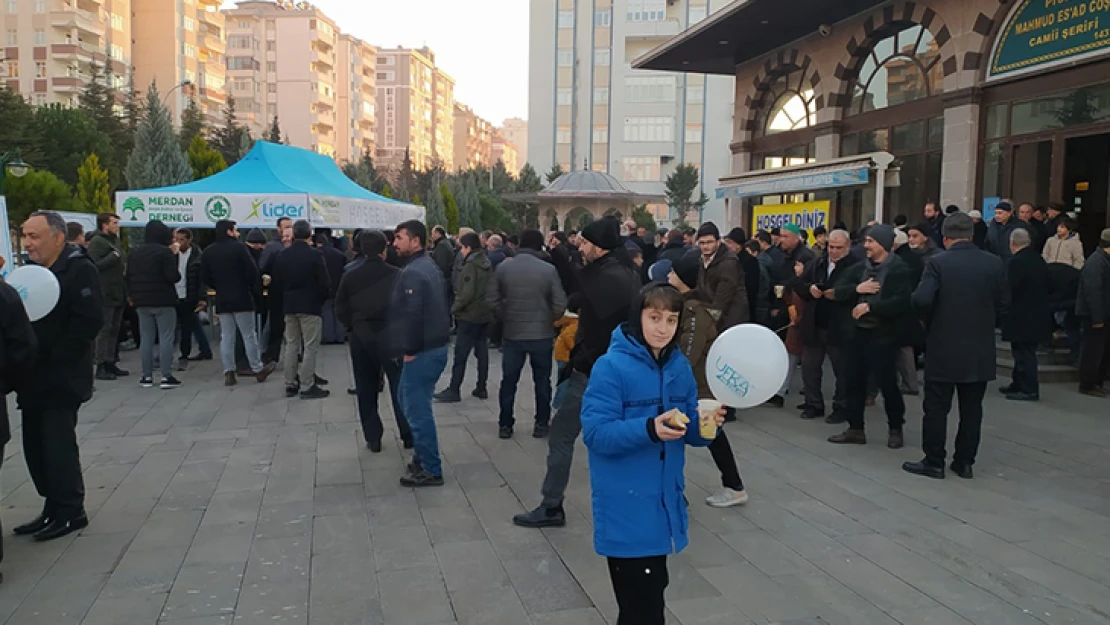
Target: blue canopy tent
(272, 181)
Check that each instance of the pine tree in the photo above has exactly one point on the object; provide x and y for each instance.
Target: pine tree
(556, 171)
(157, 160)
(529, 181)
(406, 178)
(274, 135)
(386, 191)
(435, 213)
(679, 191)
(246, 142)
(450, 209)
(132, 107)
(204, 160)
(93, 192)
(192, 124)
(98, 102)
(228, 140)
(470, 206)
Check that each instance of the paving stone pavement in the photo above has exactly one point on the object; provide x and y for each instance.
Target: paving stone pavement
(214, 506)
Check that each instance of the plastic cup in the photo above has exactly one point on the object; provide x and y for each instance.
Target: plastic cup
(780, 290)
(707, 418)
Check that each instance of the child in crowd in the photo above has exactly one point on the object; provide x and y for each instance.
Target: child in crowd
(637, 451)
(696, 334)
(567, 325)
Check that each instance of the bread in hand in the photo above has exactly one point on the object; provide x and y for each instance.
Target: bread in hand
(675, 419)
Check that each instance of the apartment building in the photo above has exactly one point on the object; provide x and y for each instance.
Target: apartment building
(473, 138)
(589, 109)
(181, 45)
(504, 150)
(49, 46)
(515, 131)
(282, 62)
(357, 125)
(415, 109)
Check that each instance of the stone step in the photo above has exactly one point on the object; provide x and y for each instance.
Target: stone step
(1046, 373)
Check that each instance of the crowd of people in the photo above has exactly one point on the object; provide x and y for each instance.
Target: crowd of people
(609, 309)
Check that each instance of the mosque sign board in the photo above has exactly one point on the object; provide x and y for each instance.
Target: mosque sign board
(1040, 34)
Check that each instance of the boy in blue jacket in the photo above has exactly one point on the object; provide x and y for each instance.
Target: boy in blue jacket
(637, 453)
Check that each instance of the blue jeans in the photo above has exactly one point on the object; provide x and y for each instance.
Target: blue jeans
(418, 384)
(561, 388)
(246, 325)
(157, 324)
(513, 355)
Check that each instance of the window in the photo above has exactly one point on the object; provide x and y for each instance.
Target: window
(241, 85)
(602, 57)
(601, 134)
(40, 99)
(695, 94)
(117, 22)
(693, 133)
(562, 134)
(271, 88)
(648, 129)
(13, 69)
(240, 42)
(902, 67)
(40, 69)
(271, 46)
(116, 51)
(385, 76)
(13, 37)
(650, 88)
(601, 95)
(565, 57)
(566, 19)
(647, 10)
(40, 6)
(189, 50)
(13, 6)
(564, 96)
(698, 14)
(603, 18)
(271, 66)
(640, 168)
(40, 37)
(245, 25)
(189, 23)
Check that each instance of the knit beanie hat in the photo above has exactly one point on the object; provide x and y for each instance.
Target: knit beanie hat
(958, 226)
(883, 235)
(709, 229)
(686, 268)
(604, 233)
(256, 236)
(737, 236)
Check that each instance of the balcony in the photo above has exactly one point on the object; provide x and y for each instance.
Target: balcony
(74, 52)
(213, 17)
(648, 30)
(67, 84)
(322, 58)
(84, 21)
(213, 42)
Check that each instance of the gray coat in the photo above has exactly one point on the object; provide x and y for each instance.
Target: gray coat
(1093, 301)
(964, 296)
(998, 237)
(527, 297)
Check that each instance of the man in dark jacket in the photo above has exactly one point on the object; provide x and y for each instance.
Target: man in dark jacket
(979, 235)
(422, 329)
(823, 321)
(566, 259)
(526, 296)
(190, 298)
(61, 379)
(472, 318)
(1029, 322)
(607, 289)
(672, 250)
(332, 333)
(443, 253)
(227, 267)
(362, 304)
(105, 251)
(881, 288)
(998, 233)
(275, 330)
(18, 348)
(964, 297)
(934, 219)
(720, 279)
(275, 245)
(151, 278)
(913, 333)
(1092, 306)
(736, 240)
(301, 277)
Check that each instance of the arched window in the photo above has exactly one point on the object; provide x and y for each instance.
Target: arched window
(901, 67)
(789, 106)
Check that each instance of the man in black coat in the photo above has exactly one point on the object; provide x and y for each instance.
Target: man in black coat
(1029, 322)
(227, 267)
(1092, 306)
(152, 274)
(18, 348)
(301, 277)
(362, 304)
(332, 334)
(608, 286)
(105, 250)
(880, 287)
(964, 297)
(935, 220)
(823, 321)
(913, 333)
(566, 259)
(191, 298)
(275, 335)
(61, 379)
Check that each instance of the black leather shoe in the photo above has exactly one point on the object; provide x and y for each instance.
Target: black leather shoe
(1009, 388)
(1022, 397)
(849, 437)
(62, 527)
(505, 432)
(542, 517)
(539, 431)
(408, 444)
(810, 412)
(102, 373)
(924, 468)
(114, 369)
(962, 470)
(37, 525)
(375, 447)
(481, 393)
(836, 418)
(778, 401)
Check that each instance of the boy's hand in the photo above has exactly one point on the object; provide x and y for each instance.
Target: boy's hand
(667, 432)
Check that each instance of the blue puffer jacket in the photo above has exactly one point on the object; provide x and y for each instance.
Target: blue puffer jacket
(639, 507)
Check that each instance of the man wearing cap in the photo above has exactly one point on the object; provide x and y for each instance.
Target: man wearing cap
(964, 295)
(721, 280)
(1092, 305)
(880, 289)
(979, 234)
(998, 233)
(608, 287)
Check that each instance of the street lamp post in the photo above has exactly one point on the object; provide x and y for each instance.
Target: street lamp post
(13, 162)
(166, 98)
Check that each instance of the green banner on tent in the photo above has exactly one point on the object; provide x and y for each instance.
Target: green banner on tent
(1042, 33)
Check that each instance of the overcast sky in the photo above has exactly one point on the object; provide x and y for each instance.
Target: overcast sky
(483, 45)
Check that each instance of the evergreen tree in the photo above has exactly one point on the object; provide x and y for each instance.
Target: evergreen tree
(643, 218)
(494, 216)
(37, 190)
(470, 206)
(521, 214)
(502, 179)
(228, 140)
(157, 160)
(274, 136)
(416, 199)
(204, 160)
(93, 192)
(98, 102)
(406, 178)
(450, 210)
(17, 119)
(246, 142)
(435, 212)
(556, 171)
(132, 110)
(192, 124)
(386, 191)
(66, 137)
(679, 191)
(528, 181)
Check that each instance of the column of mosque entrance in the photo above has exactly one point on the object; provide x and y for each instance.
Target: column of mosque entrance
(735, 208)
(827, 147)
(960, 160)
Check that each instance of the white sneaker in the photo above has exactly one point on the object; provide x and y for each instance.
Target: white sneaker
(727, 498)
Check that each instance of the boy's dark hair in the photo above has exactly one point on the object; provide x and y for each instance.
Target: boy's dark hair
(372, 243)
(660, 296)
(819, 230)
(388, 236)
(416, 230)
(438, 230)
(763, 236)
(73, 230)
(103, 219)
(561, 237)
(470, 240)
(804, 235)
(900, 221)
(753, 246)
(635, 252)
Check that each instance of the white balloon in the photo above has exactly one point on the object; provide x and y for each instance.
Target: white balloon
(746, 366)
(38, 288)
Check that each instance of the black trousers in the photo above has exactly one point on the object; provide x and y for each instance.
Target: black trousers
(872, 356)
(470, 336)
(1, 528)
(53, 459)
(934, 427)
(1025, 368)
(368, 366)
(813, 369)
(639, 584)
(721, 451)
(1094, 360)
(277, 333)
